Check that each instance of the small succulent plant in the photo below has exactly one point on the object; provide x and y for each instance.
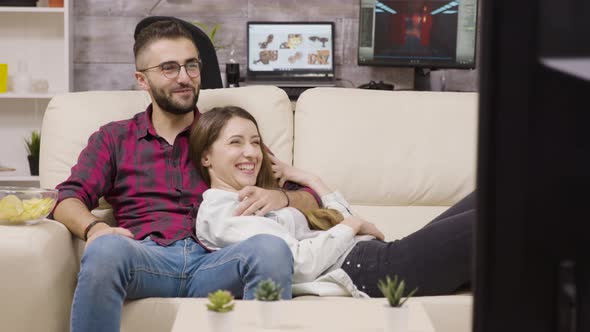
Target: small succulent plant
(394, 291)
(268, 290)
(220, 301)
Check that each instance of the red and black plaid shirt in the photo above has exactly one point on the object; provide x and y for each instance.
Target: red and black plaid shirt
(152, 186)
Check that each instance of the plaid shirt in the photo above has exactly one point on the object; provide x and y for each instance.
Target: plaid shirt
(152, 186)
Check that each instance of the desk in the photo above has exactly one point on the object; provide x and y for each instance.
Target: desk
(337, 314)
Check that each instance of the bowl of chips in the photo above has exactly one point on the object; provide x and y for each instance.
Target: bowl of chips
(27, 206)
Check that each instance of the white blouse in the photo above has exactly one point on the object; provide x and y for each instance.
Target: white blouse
(315, 253)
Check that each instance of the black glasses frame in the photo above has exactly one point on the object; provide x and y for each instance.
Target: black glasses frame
(178, 67)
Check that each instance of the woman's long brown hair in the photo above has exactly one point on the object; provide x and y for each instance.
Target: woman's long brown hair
(207, 129)
(322, 219)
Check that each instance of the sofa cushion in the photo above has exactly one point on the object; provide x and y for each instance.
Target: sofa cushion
(389, 149)
(149, 314)
(407, 219)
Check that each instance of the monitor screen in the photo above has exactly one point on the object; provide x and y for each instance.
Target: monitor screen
(433, 34)
(290, 49)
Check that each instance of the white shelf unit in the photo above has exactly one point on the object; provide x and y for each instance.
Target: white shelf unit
(19, 178)
(41, 37)
(32, 9)
(19, 181)
(13, 95)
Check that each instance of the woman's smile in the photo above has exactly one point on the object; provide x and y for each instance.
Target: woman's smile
(247, 168)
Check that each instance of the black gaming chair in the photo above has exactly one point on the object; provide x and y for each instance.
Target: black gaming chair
(210, 74)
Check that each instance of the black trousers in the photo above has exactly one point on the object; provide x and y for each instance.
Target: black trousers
(437, 258)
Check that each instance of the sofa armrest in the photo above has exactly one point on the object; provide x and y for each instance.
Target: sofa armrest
(38, 277)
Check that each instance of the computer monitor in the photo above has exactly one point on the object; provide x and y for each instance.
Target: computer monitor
(532, 264)
(290, 50)
(417, 33)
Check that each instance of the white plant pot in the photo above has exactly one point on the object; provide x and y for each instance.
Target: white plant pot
(268, 314)
(396, 319)
(220, 321)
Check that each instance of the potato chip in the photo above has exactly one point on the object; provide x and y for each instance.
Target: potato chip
(10, 207)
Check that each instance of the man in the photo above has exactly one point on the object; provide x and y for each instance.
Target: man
(141, 166)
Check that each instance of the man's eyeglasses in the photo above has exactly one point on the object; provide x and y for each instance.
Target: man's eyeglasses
(171, 69)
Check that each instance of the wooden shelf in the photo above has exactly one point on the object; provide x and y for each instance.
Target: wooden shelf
(31, 10)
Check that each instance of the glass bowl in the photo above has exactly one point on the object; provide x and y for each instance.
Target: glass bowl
(25, 205)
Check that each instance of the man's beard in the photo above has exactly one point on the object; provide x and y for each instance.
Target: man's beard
(168, 105)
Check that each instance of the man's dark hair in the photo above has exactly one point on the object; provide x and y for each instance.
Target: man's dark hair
(167, 29)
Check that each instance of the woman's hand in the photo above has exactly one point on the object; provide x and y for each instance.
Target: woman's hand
(363, 227)
(257, 201)
(369, 228)
(285, 172)
(353, 222)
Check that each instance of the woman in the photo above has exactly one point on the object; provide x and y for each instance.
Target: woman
(227, 149)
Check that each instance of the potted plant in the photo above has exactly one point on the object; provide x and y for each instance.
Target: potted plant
(396, 315)
(211, 32)
(220, 309)
(33, 146)
(268, 293)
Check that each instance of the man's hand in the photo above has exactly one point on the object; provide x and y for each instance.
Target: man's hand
(101, 229)
(258, 202)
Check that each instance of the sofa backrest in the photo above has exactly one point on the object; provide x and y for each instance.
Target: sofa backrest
(401, 155)
(71, 118)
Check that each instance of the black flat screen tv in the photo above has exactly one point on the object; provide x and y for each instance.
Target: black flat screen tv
(532, 260)
(415, 33)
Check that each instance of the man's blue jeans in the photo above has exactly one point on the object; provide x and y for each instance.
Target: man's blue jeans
(115, 268)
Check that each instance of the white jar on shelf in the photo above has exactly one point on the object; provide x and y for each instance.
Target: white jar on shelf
(21, 82)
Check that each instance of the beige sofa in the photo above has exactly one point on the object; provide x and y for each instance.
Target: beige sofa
(400, 158)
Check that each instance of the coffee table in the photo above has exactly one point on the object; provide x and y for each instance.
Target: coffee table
(337, 314)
